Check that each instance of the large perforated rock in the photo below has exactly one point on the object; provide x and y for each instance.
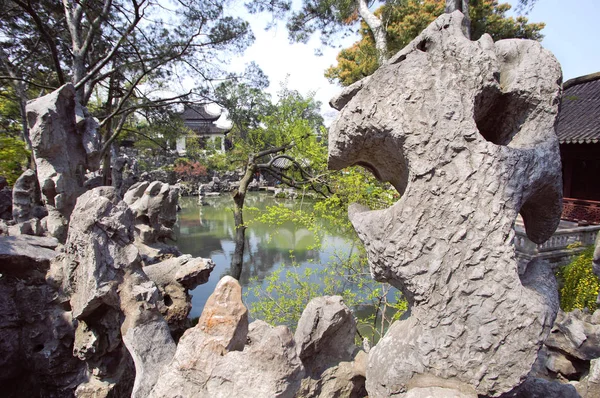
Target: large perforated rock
(65, 144)
(111, 297)
(464, 130)
(154, 205)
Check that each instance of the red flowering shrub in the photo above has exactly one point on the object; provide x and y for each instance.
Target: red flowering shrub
(187, 170)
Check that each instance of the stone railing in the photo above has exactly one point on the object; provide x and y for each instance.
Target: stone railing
(556, 249)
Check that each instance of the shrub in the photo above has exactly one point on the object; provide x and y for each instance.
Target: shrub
(14, 157)
(187, 170)
(579, 284)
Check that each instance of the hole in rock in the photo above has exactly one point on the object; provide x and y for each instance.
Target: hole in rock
(423, 45)
(38, 347)
(499, 116)
(400, 59)
(168, 300)
(540, 213)
(66, 306)
(370, 168)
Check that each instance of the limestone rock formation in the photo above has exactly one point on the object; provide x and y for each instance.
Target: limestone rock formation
(5, 200)
(576, 334)
(65, 145)
(124, 174)
(36, 334)
(174, 278)
(154, 205)
(112, 299)
(222, 356)
(325, 344)
(464, 130)
(25, 198)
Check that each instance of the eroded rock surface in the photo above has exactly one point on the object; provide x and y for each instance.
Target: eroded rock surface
(174, 278)
(26, 209)
(112, 299)
(65, 145)
(154, 205)
(36, 333)
(325, 344)
(222, 356)
(464, 130)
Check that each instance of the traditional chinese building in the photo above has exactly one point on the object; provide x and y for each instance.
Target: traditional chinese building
(578, 131)
(208, 125)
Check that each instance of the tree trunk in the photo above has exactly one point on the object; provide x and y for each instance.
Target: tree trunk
(377, 28)
(238, 217)
(462, 6)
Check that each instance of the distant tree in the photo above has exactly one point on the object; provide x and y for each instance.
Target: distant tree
(14, 157)
(245, 100)
(407, 21)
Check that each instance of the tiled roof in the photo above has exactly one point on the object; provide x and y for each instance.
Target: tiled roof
(198, 112)
(201, 119)
(579, 117)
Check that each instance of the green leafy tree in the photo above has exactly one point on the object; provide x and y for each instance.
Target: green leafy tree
(14, 157)
(406, 21)
(281, 146)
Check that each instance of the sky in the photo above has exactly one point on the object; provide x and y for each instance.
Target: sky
(572, 33)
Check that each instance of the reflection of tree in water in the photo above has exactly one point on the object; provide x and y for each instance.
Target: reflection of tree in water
(205, 231)
(260, 260)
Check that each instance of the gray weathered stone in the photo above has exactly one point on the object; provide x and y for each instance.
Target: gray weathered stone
(36, 333)
(155, 207)
(102, 274)
(20, 254)
(541, 388)
(464, 130)
(174, 277)
(437, 392)
(24, 196)
(325, 331)
(224, 357)
(325, 344)
(65, 144)
(124, 174)
(576, 334)
(29, 227)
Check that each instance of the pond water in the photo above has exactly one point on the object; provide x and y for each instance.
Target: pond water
(208, 231)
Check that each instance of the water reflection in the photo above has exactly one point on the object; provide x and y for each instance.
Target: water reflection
(208, 231)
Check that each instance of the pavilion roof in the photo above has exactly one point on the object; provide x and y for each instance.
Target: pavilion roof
(579, 116)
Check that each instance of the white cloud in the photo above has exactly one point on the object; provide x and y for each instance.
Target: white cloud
(280, 59)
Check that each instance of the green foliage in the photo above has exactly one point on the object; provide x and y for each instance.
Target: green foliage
(284, 294)
(405, 20)
(158, 129)
(246, 102)
(282, 297)
(10, 115)
(353, 185)
(579, 284)
(14, 157)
